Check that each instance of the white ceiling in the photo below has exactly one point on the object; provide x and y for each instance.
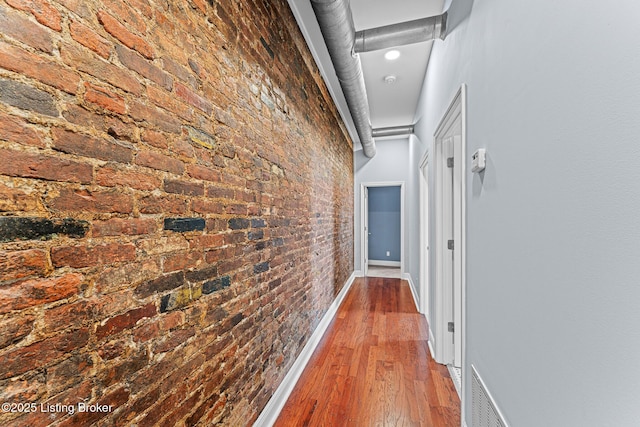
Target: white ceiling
(389, 104)
(376, 13)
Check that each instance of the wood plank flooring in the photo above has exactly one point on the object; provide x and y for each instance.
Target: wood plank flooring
(373, 367)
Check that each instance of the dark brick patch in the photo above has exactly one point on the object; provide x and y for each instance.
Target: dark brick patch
(255, 235)
(27, 97)
(266, 47)
(161, 284)
(261, 268)
(216, 285)
(182, 225)
(238, 223)
(258, 223)
(31, 228)
(203, 274)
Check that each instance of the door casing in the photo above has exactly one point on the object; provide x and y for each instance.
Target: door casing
(452, 127)
(424, 237)
(364, 220)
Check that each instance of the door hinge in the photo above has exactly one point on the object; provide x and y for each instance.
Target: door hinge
(450, 244)
(450, 327)
(449, 162)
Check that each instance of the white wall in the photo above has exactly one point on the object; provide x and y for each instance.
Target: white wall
(394, 161)
(553, 225)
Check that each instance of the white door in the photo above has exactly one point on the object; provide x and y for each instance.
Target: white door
(366, 230)
(448, 245)
(456, 251)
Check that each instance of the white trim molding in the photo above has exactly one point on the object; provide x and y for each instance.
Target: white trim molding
(270, 413)
(407, 277)
(380, 263)
(430, 344)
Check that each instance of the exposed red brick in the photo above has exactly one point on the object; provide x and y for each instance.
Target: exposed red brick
(207, 241)
(38, 291)
(83, 256)
(182, 261)
(113, 400)
(124, 368)
(159, 161)
(70, 200)
(19, 264)
(156, 139)
(125, 321)
(167, 101)
(75, 315)
(15, 25)
(201, 4)
(177, 70)
(84, 145)
(204, 206)
(84, 60)
(218, 191)
(115, 175)
(127, 14)
(31, 165)
(154, 116)
(142, 66)
(41, 353)
(116, 227)
(79, 7)
(121, 130)
(163, 245)
(192, 98)
(15, 129)
(182, 148)
(186, 118)
(203, 172)
(119, 31)
(40, 68)
(147, 332)
(81, 116)
(176, 338)
(42, 10)
(127, 275)
(15, 200)
(158, 204)
(89, 38)
(183, 187)
(104, 98)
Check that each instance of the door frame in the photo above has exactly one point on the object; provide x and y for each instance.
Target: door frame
(453, 124)
(424, 238)
(363, 220)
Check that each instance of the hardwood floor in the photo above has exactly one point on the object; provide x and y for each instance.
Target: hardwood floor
(373, 367)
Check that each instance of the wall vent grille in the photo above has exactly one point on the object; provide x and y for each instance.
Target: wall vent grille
(484, 412)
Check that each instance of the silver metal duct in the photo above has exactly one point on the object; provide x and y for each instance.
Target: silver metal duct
(392, 131)
(336, 25)
(401, 34)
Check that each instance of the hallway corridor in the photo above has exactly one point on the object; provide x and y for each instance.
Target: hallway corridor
(373, 367)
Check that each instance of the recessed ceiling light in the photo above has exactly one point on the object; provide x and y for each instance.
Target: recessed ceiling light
(390, 79)
(392, 54)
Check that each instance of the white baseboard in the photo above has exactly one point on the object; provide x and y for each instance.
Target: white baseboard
(430, 343)
(270, 413)
(381, 263)
(407, 277)
(358, 273)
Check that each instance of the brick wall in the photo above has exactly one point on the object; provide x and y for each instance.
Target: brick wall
(176, 208)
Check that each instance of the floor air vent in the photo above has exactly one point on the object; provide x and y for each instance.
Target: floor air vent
(484, 412)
